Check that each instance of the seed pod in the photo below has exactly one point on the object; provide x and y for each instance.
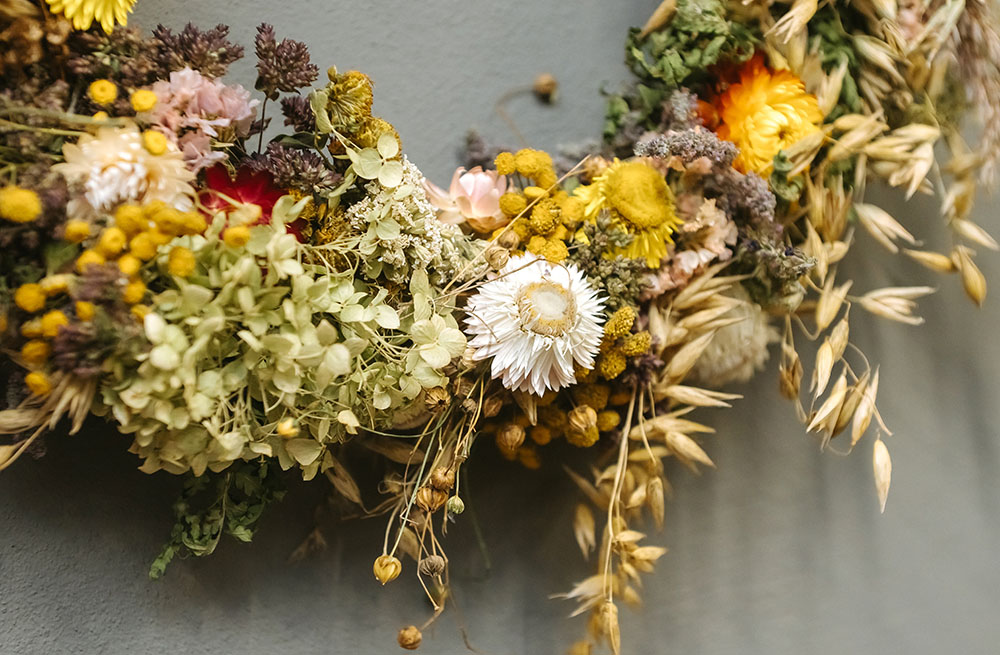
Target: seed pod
(455, 505)
(431, 565)
(545, 87)
(409, 638)
(496, 256)
(582, 418)
(443, 478)
(492, 406)
(387, 568)
(509, 439)
(436, 399)
(508, 240)
(430, 499)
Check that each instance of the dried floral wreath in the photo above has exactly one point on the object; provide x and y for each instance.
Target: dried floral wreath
(243, 306)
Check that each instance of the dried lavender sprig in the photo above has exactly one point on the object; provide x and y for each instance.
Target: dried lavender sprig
(282, 66)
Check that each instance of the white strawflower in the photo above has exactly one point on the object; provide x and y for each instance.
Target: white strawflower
(535, 320)
(738, 350)
(114, 166)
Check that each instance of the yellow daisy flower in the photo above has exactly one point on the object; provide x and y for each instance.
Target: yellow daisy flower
(82, 13)
(764, 113)
(639, 200)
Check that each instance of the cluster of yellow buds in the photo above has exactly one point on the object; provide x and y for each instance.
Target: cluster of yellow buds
(545, 216)
(618, 345)
(349, 108)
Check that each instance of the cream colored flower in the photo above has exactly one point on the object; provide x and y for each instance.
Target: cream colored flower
(535, 321)
(114, 166)
(738, 350)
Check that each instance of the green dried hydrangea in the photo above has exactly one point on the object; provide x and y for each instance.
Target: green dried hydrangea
(266, 350)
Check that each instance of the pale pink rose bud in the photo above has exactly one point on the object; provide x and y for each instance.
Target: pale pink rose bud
(473, 198)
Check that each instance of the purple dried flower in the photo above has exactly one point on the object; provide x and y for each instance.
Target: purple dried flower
(208, 52)
(283, 66)
(689, 145)
(294, 168)
(298, 113)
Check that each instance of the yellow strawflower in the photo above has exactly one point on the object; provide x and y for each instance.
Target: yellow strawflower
(83, 13)
(38, 383)
(102, 92)
(19, 205)
(143, 100)
(764, 113)
(640, 202)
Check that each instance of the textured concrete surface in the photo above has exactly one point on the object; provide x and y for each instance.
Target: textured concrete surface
(780, 551)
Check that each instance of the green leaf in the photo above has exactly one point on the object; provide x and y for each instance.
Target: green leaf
(305, 451)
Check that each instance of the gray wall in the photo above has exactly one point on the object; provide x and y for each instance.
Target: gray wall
(779, 551)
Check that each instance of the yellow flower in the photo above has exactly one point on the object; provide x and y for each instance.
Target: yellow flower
(82, 13)
(112, 241)
(133, 292)
(19, 205)
(620, 322)
(512, 203)
(89, 258)
(142, 246)
(51, 322)
(236, 236)
(76, 230)
(38, 383)
(139, 312)
(180, 261)
(640, 202)
(129, 265)
(85, 311)
(130, 219)
(143, 100)
(35, 352)
(102, 92)
(764, 113)
(154, 141)
(30, 297)
(53, 285)
(504, 163)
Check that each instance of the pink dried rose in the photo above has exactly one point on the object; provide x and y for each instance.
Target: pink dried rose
(473, 198)
(191, 109)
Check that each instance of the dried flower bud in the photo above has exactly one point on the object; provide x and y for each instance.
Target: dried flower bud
(469, 406)
(545, 87)
(409, 638)
(430, 499)
(582, 418)
(431, 565)
(468, 358)
(387, 568)
(508, 240)
(287, 428)
(443, 478)
(492, 406)
(455, 505)
(509, 439)
(496, 256)
(436, 399)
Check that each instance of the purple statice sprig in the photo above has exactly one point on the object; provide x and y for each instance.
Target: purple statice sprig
(282, 66)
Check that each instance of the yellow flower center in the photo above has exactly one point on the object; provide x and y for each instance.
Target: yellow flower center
(640, 194)
(546, 308)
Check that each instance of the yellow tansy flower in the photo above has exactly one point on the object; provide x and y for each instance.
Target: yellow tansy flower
(639, 200)
(88, 258)
(38, 383)
(143, 100)
(51, 322)
(236, 236)
(180, 261)
(30, 297)
(19, 205)
(764, 113)
(85, 311)
(83, 13)
(76, 230)
(134, 292)
(102, 92)
(35, 352)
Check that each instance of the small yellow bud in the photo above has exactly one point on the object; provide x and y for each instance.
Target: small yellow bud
(620, 322)
(154, 141)
(103, 92)
(19, 205)
(180, 262)
(129, 265)
(130, 220)
(134, 292)
(100, 116)
(143, 100)
(55, 284)
(534, 192)
(386, 568)
(85, 311)
(504, 163)
(31, 329)
(142, 246)
(89, 258)
(35, 352)
(512, 203)
(30, 297)
(236, 236)
(140, 312)
(38, 383)
(51, 322)
(608, 420)
(76, 230)
(111, 242)
(287, 428)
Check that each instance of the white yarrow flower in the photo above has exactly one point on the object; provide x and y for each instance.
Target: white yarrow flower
(535, 320)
